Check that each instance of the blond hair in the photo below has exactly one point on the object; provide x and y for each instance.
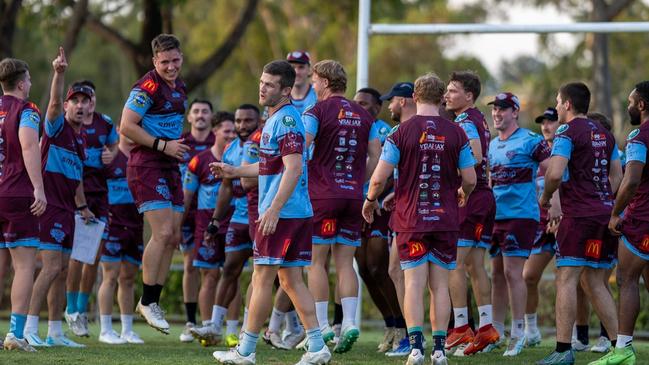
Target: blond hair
(334, 72)
(429, 89)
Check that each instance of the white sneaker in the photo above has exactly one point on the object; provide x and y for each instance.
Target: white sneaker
(76, 324)
(459, 349)
(515, 346)
(186, 335)
(132, 337)
(316, 358)
(207, 335)
(349, 335)
(34, 340)
(292, 339)
(495, 346)
(415, 358)
(603, 345)
(111, 337)
(274, 339)
(578, 345)
(438, 358)
(83, 324)
(234, 357)
(336, 329)
(154, 316)
(13, 343)
(533, 338)
(62, 341)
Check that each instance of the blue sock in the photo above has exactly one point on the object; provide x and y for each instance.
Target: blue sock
(316, 343)
(71, 298)
(82, 302)
(416, 338)
(439, 337)
(17, 324)
(248, 343)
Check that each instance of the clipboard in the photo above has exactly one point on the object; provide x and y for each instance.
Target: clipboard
(87, 238)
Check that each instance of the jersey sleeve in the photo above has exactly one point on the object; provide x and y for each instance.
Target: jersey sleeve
(112, 136)
(54, 127)
(29, 118)
(227, 154)
(311, 123)
(390, 152)
(470, 129)
(636, 147)
(139, 101)
(191, 180)
(540, 150)
(466, 157)
(250, 152)
(615, 155)
(375, 131)
(289, 139)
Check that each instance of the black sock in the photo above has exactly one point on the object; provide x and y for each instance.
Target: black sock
(602, 331)
(439, 338)
(582, 334)
(563, 347)
(417, 340)
(338, 314)
(389, 322)
(190, 309)
(148, 294)
(472, 324)
(399, 322)
(158, 292)
(614, 342)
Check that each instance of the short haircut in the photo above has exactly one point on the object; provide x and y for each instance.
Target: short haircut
(375, 94)
(248, 107)
(578, 95)
(201, 101)
(220, 117)
(601, 118)
(429, 89)
(88, 83)
(12, 71)
(334, 72)
(642, 91)
(284, 70)
(469, 80)
(164, 42)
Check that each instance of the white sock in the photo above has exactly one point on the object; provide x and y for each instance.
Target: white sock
(574, 331)
(349, 311)
(530, 323)
(54, 328)
(500, 327)
(232, 327)
(293, 322)
(276, 319)
(218, 315)
(623, 341)
(518, 328)
(245, 318)
(461, 316)
(31, 326)
(206, 322)
(105, 323)
(127, 323)
(485, 312)
(322, 313)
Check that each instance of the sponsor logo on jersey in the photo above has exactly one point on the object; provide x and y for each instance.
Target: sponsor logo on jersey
(593, 249)
(415, 248)
(150, 86)
(328, 227)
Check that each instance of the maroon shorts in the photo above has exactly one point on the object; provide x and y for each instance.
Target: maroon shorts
(635, 236)
(19, 227)
(155, 188)
(123, 244)
(417, 248)
(514, 237)
(544, 242)
(57, 229)
(337, 221)
(98, 205)
(289, 246)
(209, 257)
(378, 228)
(477, 220)
(586, 241)
(187, 232)
(237, 238)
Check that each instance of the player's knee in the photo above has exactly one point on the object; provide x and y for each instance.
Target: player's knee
(165, 235)
(531, 278)
(231, 270)
(395, 273)
(126, 281)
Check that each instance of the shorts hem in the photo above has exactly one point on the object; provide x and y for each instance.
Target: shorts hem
(27, 242)
(579, 262)
(281, 262)
(246, 246)
(205, 265)
(154, 205)
(633, 249)
(517, 253)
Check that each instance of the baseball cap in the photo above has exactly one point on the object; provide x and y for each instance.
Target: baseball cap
(506, 100)
(550, 114)
(79, 89)
(403, 89)
(299, 57)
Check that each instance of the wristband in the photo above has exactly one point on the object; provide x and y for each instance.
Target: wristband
(370, 200)
(212, 228)
(82, 207)
(156, 142)
(165, 146)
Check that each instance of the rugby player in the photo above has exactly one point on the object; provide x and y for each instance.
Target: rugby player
(22, 194)
(585, 248)
(153, 119)
(427, 151)
(303, 96)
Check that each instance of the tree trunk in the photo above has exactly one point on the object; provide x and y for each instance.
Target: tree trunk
(8, 15)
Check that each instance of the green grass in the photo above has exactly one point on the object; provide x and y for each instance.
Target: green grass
(167, 350)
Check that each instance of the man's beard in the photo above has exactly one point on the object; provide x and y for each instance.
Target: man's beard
(634, 114)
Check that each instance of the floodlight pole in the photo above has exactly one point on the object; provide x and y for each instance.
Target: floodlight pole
(364, 7)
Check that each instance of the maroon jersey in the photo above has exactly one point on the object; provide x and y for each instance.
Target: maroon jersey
(195, 147)
(100, 133)
(342, 131)
(251, 156)
(15, 114)
(123, 211)
(636, 150)
(474, 124)
(590, 149)
(62, 154)
(427, 152)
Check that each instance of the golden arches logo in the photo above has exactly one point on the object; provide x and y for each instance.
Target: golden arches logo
(594, 248)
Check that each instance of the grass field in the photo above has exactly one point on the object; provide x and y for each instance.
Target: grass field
(167, 350)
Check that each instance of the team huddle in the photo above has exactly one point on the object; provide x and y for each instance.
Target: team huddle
(314, 177)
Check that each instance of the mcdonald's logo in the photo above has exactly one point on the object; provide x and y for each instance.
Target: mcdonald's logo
(478, 231)
(594, 249)
(644, 245)
(287, 243)
(328, 227)
(415, 248)
(150, 86)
